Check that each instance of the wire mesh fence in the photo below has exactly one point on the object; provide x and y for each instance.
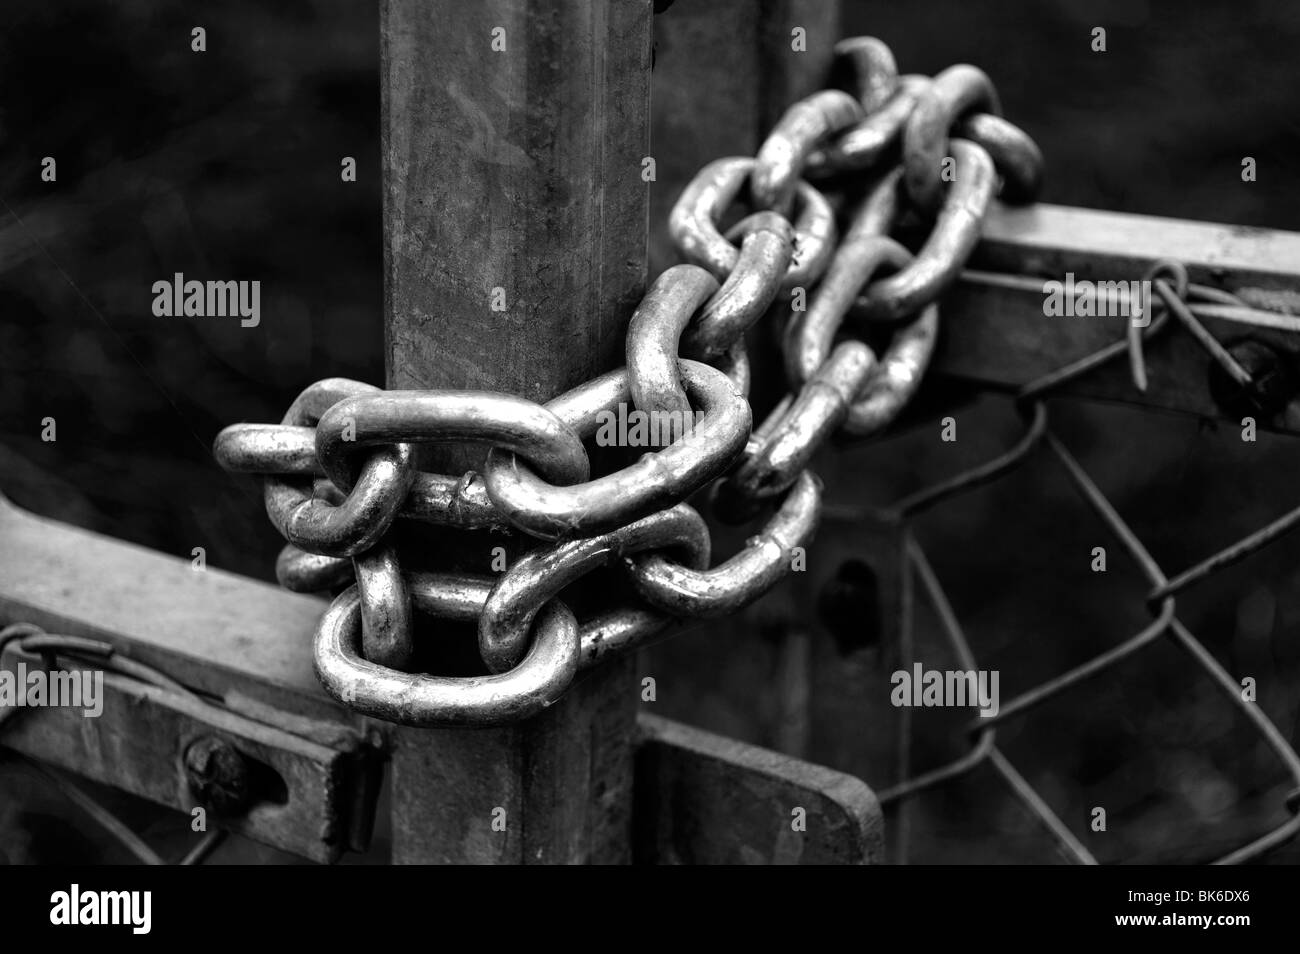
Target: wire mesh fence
(1160, 601)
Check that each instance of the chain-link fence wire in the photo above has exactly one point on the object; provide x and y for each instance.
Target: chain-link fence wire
(1180, 303)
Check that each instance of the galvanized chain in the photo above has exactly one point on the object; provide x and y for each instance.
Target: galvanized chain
(339, 467)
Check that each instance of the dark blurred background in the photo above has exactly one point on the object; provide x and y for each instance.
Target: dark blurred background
(226, 164)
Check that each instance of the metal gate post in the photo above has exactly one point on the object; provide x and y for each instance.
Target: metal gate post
(515, 224)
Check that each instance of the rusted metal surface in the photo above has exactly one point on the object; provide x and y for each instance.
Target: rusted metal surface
(520, 171)
(705, 799)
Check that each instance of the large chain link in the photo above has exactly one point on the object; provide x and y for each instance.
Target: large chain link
(339, 467)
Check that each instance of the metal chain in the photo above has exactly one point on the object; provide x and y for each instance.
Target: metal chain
(339, 466)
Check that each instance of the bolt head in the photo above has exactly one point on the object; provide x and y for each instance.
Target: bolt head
(217, 775)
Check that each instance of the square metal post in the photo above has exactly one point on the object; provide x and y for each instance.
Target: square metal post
(515, 223)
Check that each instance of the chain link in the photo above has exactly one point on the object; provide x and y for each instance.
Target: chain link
(693, 224)
(339, 467)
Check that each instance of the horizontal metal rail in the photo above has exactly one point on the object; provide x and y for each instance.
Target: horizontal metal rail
(236, 655)
(997, 333)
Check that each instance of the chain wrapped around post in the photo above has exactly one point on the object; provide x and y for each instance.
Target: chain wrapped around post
(338, 468)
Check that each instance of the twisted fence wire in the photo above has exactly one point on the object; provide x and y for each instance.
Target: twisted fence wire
(1160, 600)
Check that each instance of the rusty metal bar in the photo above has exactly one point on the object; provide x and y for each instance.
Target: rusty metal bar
(515, 222)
